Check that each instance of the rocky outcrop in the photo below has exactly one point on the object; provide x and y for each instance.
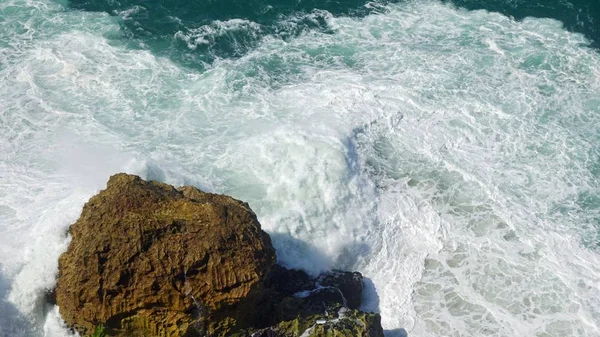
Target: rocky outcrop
(147, 259)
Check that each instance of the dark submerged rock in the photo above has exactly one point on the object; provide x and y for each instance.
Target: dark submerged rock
(326, 305)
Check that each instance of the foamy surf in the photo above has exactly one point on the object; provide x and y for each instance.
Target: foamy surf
(450, 156)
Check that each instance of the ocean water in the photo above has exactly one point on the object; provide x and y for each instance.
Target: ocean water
(449, 151)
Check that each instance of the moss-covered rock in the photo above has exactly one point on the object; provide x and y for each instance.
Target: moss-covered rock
(344, 323)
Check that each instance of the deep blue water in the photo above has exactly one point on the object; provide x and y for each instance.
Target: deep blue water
(160, 25)
(577, 15)
(195, 33)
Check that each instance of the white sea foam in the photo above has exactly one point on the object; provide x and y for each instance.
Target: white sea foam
(207, 34)
(443, 153)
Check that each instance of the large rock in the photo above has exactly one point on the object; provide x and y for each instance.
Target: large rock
(150, 260)
(147, 259)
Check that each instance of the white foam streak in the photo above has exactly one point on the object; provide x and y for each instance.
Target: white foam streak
(207, 34)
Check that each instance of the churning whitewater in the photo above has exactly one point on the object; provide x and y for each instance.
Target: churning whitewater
(451, 156)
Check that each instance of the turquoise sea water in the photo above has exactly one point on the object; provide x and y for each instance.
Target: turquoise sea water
(447, 150)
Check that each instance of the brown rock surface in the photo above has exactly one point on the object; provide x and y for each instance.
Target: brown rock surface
(147, 259)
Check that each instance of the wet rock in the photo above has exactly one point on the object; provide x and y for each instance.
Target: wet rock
(295, 304)
(350, 284)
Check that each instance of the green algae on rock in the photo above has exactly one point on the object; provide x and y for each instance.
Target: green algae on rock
(345, 323)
